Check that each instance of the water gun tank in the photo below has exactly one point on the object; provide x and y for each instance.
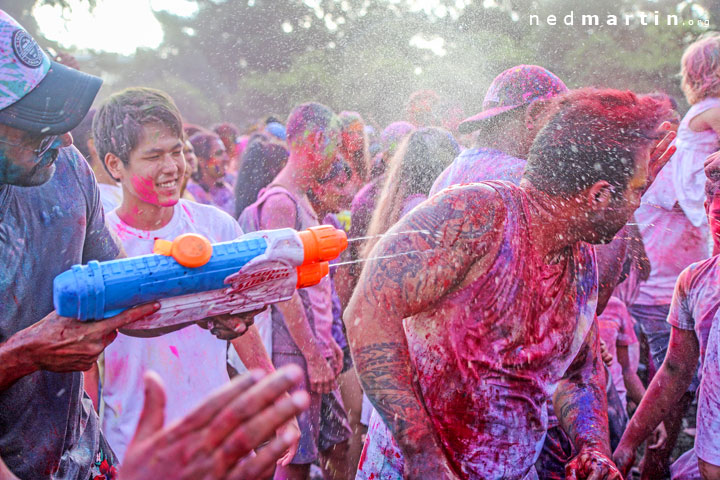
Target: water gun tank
(190, 265)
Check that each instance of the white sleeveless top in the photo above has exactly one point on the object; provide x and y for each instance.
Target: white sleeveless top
(683, 179)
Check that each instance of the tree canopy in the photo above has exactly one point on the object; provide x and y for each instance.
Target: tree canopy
(237, 60)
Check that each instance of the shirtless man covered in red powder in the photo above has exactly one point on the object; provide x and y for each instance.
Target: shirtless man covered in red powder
(486, 306)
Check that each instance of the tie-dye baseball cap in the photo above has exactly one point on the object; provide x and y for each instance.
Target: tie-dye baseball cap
(513, 88)
(37, 94)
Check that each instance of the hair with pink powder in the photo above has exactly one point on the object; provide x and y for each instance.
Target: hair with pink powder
(701, 68)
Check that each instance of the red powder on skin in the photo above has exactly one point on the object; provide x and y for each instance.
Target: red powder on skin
(145, 188)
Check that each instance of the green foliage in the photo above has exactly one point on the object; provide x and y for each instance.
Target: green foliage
(239, 60)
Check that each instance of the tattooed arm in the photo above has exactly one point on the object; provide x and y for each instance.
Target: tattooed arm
(451, 239)
(581, 406)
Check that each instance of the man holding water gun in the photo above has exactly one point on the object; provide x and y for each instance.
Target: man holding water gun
(50, 219)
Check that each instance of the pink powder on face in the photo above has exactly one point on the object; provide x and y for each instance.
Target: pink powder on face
(145, 188)
(174, 350)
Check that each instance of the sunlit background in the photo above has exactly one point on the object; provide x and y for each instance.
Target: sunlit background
(238, 60)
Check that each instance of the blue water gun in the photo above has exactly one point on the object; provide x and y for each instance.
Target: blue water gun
(187, 276)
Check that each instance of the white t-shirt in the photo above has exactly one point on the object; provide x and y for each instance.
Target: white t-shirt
(695, 307)
(190, 361)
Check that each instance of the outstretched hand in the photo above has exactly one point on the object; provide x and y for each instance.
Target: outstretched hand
(217, 439)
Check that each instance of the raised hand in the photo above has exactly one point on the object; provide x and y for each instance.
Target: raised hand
(660, 154)
(217, 439)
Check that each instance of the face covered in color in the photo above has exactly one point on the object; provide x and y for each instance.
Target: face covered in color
(712, 207)
(216, 165)
(320, 148)
(28, 159)
(156, 167)
(334, 191)
(607, 221)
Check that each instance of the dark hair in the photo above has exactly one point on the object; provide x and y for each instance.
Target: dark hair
(204, 144)
(261, 161)
(191, 129)
(82, 133)
(308, 118)
(119, 123)
(228, 133)
(593, 135)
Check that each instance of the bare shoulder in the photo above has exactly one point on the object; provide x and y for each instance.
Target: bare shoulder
(278, 211)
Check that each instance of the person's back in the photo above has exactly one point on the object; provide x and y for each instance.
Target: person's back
(479, 165)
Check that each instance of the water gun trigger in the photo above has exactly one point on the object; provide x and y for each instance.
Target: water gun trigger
(311, 274)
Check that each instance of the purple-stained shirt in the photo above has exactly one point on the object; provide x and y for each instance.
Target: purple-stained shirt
(479, 165)
(220, 195)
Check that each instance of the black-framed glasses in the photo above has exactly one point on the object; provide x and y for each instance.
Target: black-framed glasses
(45, 144)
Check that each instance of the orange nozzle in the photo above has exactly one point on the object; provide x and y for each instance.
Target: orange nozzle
(322, 243)
(311, 274)
(189, 250)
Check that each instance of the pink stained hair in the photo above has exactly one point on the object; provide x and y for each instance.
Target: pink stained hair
(701, 68)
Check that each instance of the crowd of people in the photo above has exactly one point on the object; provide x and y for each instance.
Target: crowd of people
(530, 293)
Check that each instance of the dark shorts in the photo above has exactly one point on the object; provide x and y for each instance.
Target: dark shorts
(324, 424)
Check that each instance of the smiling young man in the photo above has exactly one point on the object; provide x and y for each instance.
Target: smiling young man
(463, 327)
(138, 132)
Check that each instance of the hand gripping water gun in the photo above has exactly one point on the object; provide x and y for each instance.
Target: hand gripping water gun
(187, 276)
